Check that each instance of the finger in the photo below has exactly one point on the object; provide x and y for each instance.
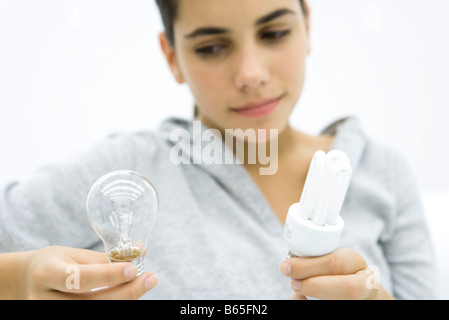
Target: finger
(345, 287)
(340, 262)
(298, 296)
(83, 256)
(132, 290)
(105, 275)
(82, 278)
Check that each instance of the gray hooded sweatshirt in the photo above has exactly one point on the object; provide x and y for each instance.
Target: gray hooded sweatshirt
(216, 236)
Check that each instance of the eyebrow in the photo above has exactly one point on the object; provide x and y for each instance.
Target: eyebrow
(263, 20)
(206, 31)
(274, 15)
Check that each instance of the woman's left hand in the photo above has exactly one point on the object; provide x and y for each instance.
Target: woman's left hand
(342, 274)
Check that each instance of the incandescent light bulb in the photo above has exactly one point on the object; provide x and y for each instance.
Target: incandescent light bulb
(122, 207)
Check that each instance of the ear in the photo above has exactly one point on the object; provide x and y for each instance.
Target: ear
(170, 56)
(307, 23)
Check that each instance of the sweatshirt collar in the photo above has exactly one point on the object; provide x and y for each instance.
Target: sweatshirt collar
(349, 138)
(180, 135)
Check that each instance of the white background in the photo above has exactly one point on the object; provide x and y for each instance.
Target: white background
(72, 72)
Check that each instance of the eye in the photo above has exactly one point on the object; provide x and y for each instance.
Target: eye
(211, 50)
(275, 35)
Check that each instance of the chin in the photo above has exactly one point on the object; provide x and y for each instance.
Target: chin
(262, 131)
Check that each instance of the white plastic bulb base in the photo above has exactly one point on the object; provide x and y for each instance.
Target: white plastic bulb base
(306, 239)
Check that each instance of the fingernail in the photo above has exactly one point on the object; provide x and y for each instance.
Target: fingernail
(286, 268)
(130, 271)
(150, 282)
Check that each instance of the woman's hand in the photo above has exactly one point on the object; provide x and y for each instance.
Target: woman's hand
(67, 273)
(342, 274)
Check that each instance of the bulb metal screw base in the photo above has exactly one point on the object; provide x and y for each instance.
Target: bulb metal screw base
(136, 258)
(138, 262)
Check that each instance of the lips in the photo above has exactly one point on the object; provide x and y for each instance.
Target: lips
(258, 108)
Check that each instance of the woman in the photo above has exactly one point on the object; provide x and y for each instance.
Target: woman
(219, 234)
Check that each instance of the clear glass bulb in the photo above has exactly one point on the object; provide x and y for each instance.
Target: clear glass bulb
(122, 207)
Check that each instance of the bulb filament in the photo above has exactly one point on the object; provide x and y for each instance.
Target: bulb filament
(123, 212)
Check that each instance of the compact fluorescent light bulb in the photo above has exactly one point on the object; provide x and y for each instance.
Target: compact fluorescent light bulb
(122, 207)
(313, 225)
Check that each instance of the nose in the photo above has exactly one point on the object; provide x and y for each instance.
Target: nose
(251, 71)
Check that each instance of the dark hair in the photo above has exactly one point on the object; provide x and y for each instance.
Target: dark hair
(168, 10)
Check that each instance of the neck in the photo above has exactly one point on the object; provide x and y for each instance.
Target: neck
(261, 153)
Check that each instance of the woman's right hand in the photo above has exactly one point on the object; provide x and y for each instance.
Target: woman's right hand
(68, 273)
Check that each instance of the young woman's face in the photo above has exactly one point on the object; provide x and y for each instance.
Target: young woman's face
(243, 60)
